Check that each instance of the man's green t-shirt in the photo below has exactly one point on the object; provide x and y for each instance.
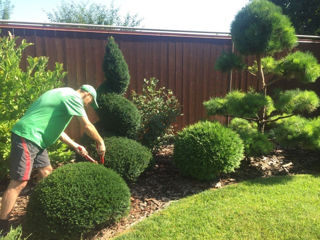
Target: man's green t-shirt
(49, 115)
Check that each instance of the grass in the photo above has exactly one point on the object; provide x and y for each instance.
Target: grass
(270, 208)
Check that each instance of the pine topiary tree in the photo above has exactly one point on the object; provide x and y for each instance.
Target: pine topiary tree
(115, 69)
(260, 29)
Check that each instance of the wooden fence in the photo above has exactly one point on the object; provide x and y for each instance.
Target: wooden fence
(183, 62)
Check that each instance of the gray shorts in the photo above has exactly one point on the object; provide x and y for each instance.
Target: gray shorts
(24, 156)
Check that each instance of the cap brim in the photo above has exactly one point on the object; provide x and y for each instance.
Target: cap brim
(94, 104)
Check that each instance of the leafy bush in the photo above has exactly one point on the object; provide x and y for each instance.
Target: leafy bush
(159, 108)
(59, 153)
(298, 132)
(206, 149)
(115, 70)
(20, 88)
(118, 115)
(5, 145)
(74, 199)
(255, 143)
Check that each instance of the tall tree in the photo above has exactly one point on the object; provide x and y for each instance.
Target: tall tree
(5, 9)
(92, 13)
(304, 15)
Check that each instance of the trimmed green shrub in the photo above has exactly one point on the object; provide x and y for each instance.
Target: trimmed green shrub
(159, 109)
(298, 132)
(125, 156)
(74, 199)
(118, 115)
(115, 70)
(255, 143)
(206, 149)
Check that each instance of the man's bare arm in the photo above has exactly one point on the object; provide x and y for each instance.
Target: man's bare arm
(92, 132)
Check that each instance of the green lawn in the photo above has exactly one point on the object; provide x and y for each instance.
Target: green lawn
(270, 208)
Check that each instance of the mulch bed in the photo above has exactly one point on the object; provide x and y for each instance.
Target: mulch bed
(161, 185)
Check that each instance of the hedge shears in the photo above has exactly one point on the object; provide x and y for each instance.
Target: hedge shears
(90, 159)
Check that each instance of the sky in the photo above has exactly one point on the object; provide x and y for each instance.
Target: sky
(195, 15)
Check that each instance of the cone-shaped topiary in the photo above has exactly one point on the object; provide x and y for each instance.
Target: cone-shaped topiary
(115, 70)
(118, 115)
(74, 199)
(206, 149)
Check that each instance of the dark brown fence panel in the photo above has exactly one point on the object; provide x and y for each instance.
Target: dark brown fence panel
(183, 63)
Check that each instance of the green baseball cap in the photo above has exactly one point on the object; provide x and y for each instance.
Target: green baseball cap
(93, 93)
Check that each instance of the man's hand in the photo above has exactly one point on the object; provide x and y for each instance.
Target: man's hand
(101, 149)
(81, 150)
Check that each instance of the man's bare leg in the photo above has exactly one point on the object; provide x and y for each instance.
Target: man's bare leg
(10, 196)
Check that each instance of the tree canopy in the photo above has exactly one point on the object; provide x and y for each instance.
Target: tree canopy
(92, 13)
(5, 9)
(304, 15)
(261, 28)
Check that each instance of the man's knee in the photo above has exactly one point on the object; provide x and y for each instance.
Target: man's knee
(45, 171)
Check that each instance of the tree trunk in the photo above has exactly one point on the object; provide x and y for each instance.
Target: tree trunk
(262, 114)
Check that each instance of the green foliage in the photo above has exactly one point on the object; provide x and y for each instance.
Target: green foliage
(228, 61)
(269, 65)
(237, 103)
(298, 132)
(93, 13)
(74, 199)
(115, 69)
(159, 109)
(14, 234)
(206, 149)
(261, 28)
(127, 157)
(5, 145)
(255, 143)
(118, 115)
(304, 17)
(20, 88)
(301, 66)
(297, 101)
(59, 153)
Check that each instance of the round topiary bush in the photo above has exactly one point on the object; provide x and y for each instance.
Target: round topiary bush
(74, 199)
(127, 157)
(206, 149)
(118, 115)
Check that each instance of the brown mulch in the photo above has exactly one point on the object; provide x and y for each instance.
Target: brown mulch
(161, 185)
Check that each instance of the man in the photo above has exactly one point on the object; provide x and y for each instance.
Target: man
(42, 125)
